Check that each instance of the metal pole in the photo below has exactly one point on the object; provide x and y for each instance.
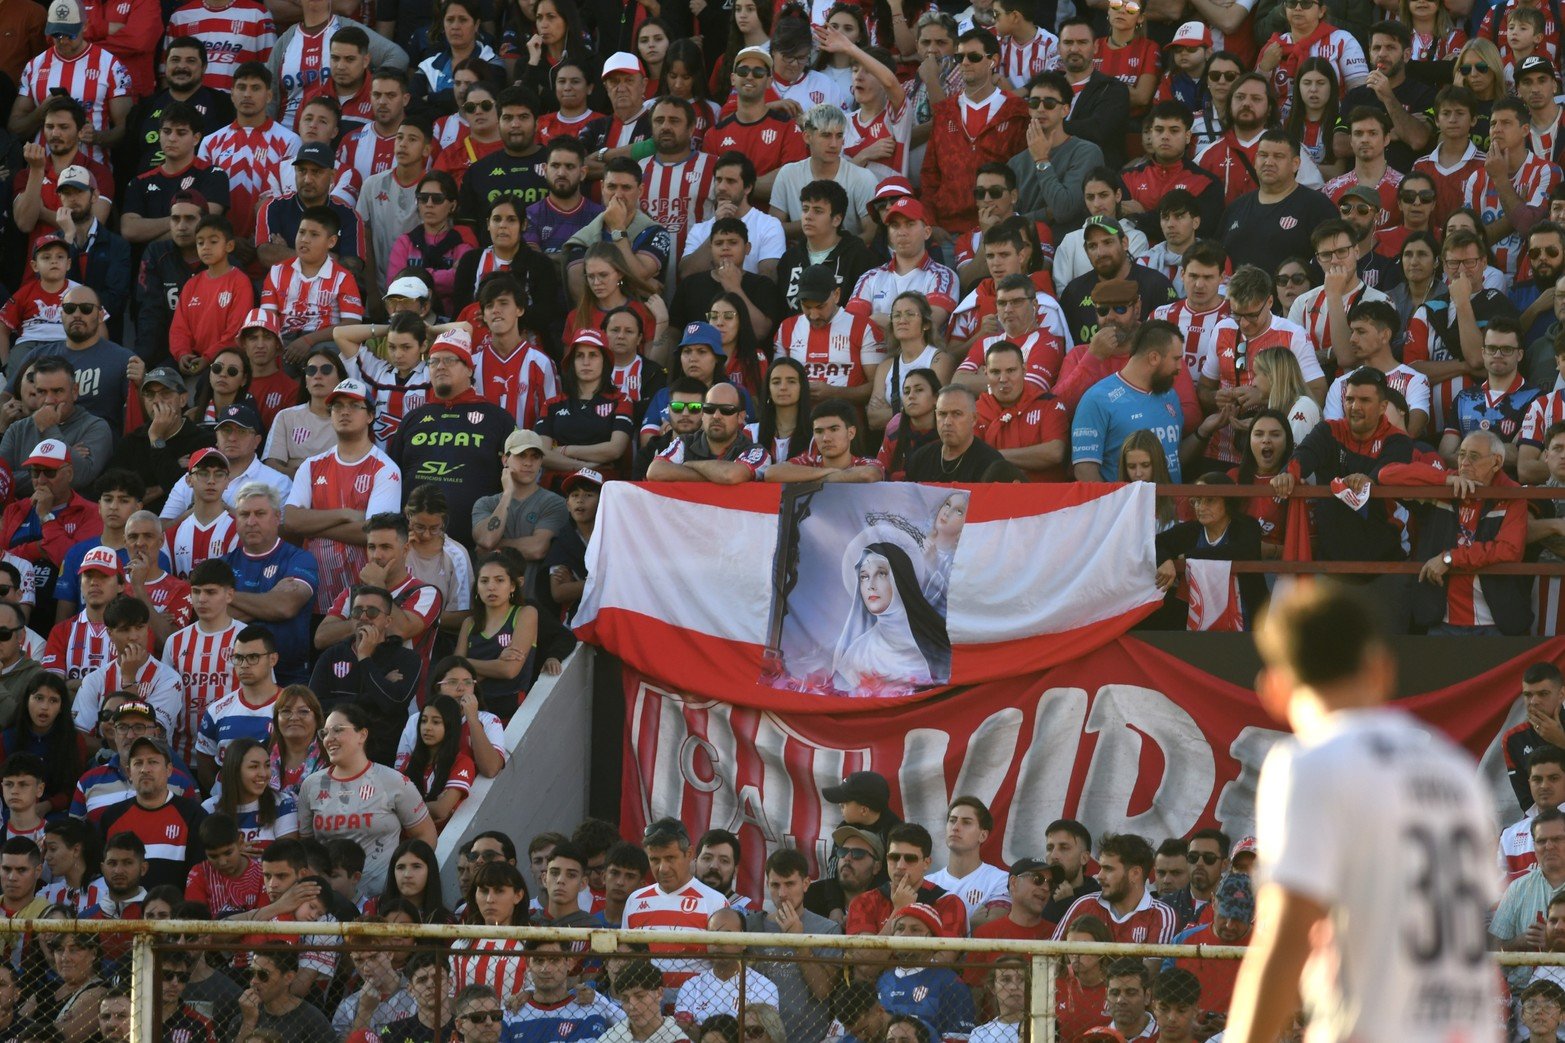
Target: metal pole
(1042, 1000)
(143, 991)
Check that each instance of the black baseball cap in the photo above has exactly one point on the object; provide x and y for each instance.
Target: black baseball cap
(864, 787)
(241, 413)
(318, 153)
(817, 282)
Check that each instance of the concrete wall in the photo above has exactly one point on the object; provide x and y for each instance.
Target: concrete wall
(544, 783)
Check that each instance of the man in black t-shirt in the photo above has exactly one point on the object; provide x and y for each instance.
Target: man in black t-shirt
(1109, 252)
(184, 66)
(1273, 223)
(148, 199)
(1409, 103)
(516, 170)
(730, 244)
(959, 456)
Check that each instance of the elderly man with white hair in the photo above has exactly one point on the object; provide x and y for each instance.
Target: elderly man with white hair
(274, 580)
(825, 131)
(1465, 529)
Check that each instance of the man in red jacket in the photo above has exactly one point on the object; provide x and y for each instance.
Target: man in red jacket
(42, 527)
(981, 125)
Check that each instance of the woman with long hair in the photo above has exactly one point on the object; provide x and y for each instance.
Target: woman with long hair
(498, 639)
(437, 242)
(1278, 377)
(1215, 533)
(457, 40)
(42, 726)
(847, 19)
(496, 897)
(1421, 280)
(1436, 36)
(1142, 459)
(297, 720)
(559, 32)
(591, 423)
(653, 37)
(1127, 49)
(1312, 119)
(893, 639)
(575, 115)
(1481, 70)
(305, 430)
(440, 770)
(749, 25)
(1262, 456)
(684, 76)
(744, 356)
(483, 732)
(1293, 280)
(225, 382)
(414, 876)
(245, 794)
(72, 1004)
(913, 425)
(783, 427)
(911, 347)
(608, 282)
(1223, 70)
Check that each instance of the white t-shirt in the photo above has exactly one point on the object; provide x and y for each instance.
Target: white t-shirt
(707, 994)
(1413, 385)
(996, 1032)
(767, 241)
(859, 183)
(984, 886)
(1386, 824)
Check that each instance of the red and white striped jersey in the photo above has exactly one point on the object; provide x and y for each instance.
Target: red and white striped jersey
(250, 157)
(365, 152)
(1546, 410)
(79, 898)
(77, 646)
(395, 396)
(190, 543)
(891, 124)
(202, 661)
(678, 195)
(1516, 853)
(1043, 353)
(1197, 327)
(685, 909)
(1230, 362)
(94, 78)
(1532, 181)
(156, 684)
(1311, 309)
(326, 482)
(1020, 62)
(305, 62)
(489, 262)
(843, 353)
(519, 383)
(451, 129)
(879, 287)
(1408, 382)
(308, 302)
(499, 963)
(1150, 923)
(241, 32)
(170, 595)
(552, 125)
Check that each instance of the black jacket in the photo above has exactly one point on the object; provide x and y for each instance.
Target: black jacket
(1375, 532)
(163, 274)
(385, 685)
(161, 468)
(1102, 116)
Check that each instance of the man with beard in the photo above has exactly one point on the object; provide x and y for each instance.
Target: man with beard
(721, 452)
(1099, 109)
(733, 183)
(1535, 297)
(1272, 222)
(907, 860)
(1536, 85)
(100, 365)
(1141, 396)
(1233, 912)
(1125, 903)
(769, 138)
(1107, 249)
(1231, 158)
(565, 210)
(859, 855)
(371, 148)
(717, 864)
(1360, 209)
(101, 258)
(1207, 856)
(676, 180)
(516, 169)
(1410, 103)
(37, 199)
(184, 68)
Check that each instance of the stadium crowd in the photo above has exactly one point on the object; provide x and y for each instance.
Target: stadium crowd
(332, 317)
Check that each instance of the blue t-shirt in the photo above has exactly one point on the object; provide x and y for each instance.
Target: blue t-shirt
(257, 575)
(1472, 411)
(933, 995)
(69, 586)
(562, 1022)
(1111, 411)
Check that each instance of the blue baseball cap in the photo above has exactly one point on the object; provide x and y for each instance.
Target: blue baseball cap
(704, 333)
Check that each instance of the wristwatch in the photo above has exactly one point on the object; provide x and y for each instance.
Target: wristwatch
(1041, 165)
(1446, 557)
(159, 443)
(615, 237)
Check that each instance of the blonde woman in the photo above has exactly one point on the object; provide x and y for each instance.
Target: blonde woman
(1279, 378)
(1141, 459)
(1480, 69)
(912, 347)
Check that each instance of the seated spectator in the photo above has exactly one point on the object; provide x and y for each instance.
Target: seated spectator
(162, 818)
(1102, 194)
(243, 795)
(32, 316)
(100, 256)
(225, 384)
(838, 348)
(79, 645)
(392, 158)
(415, 606)
(823, 208)
(727, 274)
(297, 719)
(1267, 448)
(229, 881)
(1542, 1002)
(910, 267)
(383, 998)
(958, 455)
(1007, 988)
(1499, 404)
(1373, 330)
(214, 304)
(435, 558)
(638, 986)
(590, 425)
(933, 995)
(399, 382)
(565, 210)
(1103, 419)
(1546, 410)
(910, 346)
(311, 292)
(103, 370)
(247, 711)
(721, 989)
(609, 281)
(830, 458)
(523, 515)
(1029, 427)
(128, 663)
(25, 806)
(308, 432)
(1279, 379)
(157, 447)
(441, 772)
(824, 127)
(498, 640)
(722, 451)
(683, 417)
(315, 185)
(907, 861)
(414, 877)
(435, 243)
(145, 207)
(271, 1003)
(644, 245)
(1218, 532)
(733, 184)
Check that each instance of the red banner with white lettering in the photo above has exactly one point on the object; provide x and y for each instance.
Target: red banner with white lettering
(1125, 738)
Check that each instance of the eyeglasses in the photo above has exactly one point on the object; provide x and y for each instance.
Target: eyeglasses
(132, 728)
(684, 407)
(973, 57)
(1501, 349)
(248, 658)
(172, 975)
(1248, 316)
(1047, 104)
(458, 682)
(483, 1017)
(1543, 251)
(226, 371)
(426, 530)
(852, 854)
(1468, 70)
(301, 710)
(320, 370)
(1417, 195)
(78, 309)
(260, 974)
(1453, 263)
(1341, 251)
(1296, 279)
(725, 410)
(1213, 76)
(1203, 857)
(327, 733)
(477, 106)
(431, 197)
(367, 612)
(754, 72)
(1105, 310)
(1357, 208)
(903, 856)
(1294, 5)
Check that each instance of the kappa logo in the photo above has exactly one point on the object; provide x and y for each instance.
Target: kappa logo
(320, 479)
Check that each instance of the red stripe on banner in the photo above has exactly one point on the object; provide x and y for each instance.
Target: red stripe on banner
(642, 643)
(1008, 502)
(757, 497)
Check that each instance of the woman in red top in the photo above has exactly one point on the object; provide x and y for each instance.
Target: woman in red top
(1127, 55)
(439, 769)
(1263, 456)
(483, 134)
(1081, 995)
(608, 283)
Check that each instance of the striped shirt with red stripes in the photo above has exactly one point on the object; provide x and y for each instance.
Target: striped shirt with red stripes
(241, 32)
(201, 658)
(678, 195)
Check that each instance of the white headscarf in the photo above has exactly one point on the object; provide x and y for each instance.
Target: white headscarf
(880, 646)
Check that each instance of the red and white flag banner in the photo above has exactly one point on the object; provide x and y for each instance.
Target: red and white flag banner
(841, 597)
(1126, 737)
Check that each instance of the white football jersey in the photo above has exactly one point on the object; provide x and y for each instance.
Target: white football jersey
(1386, 824)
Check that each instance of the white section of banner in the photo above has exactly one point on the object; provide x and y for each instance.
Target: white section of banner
(1212, 595)
(1056, 571)
(707, 569)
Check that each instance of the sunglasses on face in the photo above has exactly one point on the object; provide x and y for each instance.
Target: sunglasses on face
(973, 57)
(1125, 5)
(754, 72)
(1417, 195)
(1295, 5)
(260, 974)
(905, 856)
(684, 407)
(1047, 104)
(431, 197)
(852, 854)
(226, 371)
(1203, 857)
(367, 612)
(7, 633)
(483, 1017)
(725, 410)
(1216, 76)
(1116, 309)
(321, 370)
(180, 976)
(1543, 251)
(1468, 70)
(1356, 208)
(477, 106)
(78, 309)
(994, 192)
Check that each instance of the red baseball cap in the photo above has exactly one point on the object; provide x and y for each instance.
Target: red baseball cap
(454, 342)
(907, 208)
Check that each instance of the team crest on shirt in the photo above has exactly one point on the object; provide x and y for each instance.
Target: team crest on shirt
(504, 640)
(475, 417)
(1170, 407)
(920, 993)
(768, 136)
(361, 484)
(171, 831)
(605, 408)
(1138, 934)
(238, 27)
(269, 572)
(688, 904)
(186, 182)
(224, 298)
(366, 791)
(341, 670)
(1289, 223)
(567, 1029)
